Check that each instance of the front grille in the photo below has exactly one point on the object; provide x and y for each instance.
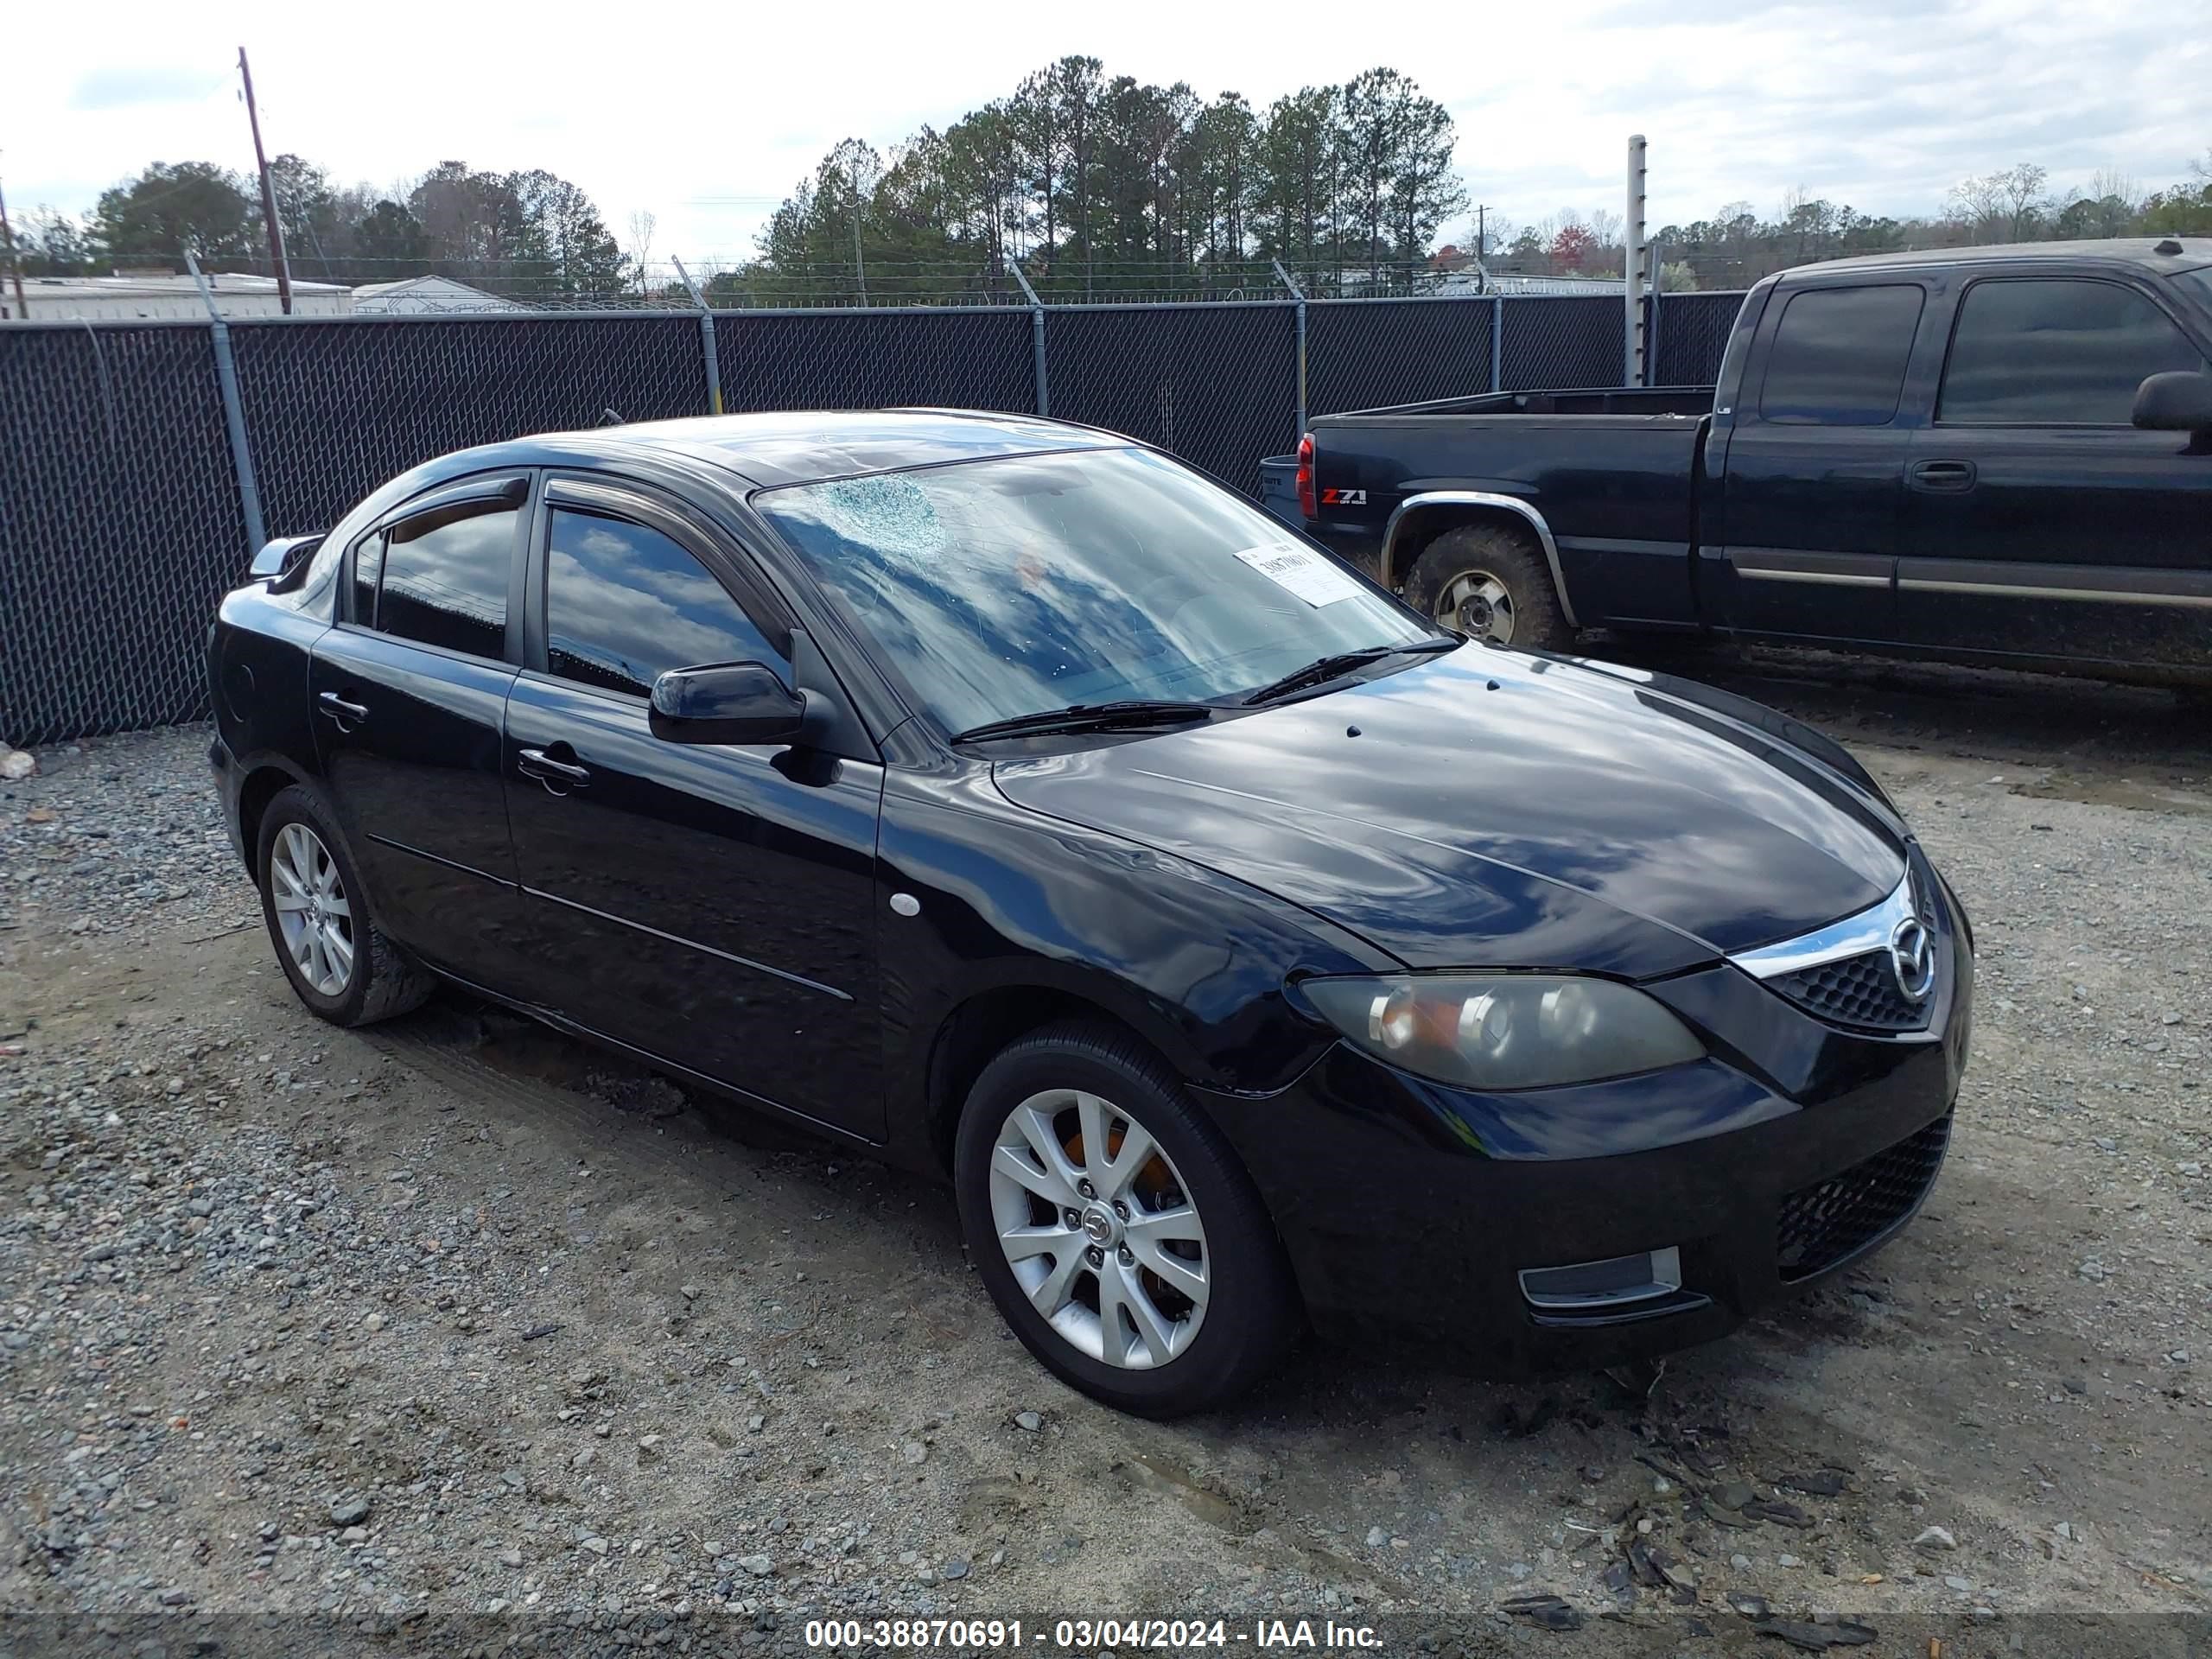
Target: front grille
(1822, 1225)
(1861, 992)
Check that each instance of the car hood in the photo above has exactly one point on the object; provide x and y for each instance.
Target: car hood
(1489, 807)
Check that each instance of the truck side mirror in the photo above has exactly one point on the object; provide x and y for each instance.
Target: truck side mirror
(2175, 402)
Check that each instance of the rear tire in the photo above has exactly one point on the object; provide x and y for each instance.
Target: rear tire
(1182, 1310)
(341, 963)
(1490, 582)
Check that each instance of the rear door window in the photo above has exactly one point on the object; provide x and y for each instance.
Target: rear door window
(445, 577)
(2054, 351)
(1839, 356)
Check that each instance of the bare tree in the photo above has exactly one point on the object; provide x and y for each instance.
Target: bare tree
(2025, 201)
(2109, 183)
(2006, 206)
(642, 226)
(1980, 203)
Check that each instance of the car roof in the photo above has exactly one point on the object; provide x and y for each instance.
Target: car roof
(2137, 252)
(798, 447)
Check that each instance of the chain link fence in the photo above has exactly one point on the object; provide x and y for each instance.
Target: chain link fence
(876, 359)
(130, 486)
(1365, 353)
(335, 408)
(1688, 334)
(1217, 385)
(119, 526)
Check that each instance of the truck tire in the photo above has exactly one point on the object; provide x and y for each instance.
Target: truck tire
(1490, 582)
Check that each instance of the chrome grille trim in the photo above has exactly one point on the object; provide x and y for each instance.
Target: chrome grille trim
(1854, 936)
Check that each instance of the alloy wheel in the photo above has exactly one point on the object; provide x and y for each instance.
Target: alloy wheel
(1099, 1229)
(312, 912)
(1478, 604)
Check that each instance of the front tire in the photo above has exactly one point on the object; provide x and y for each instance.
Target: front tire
(341, 963)
(1114, 1229)
(1490, 582)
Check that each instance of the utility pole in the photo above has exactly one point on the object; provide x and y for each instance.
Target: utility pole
(14, 265)
(1482, 248)
(267, 195)
(860, 264)
(1632, 262)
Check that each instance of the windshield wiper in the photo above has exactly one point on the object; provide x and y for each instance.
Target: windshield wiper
(1328, 667)
(1132, 712)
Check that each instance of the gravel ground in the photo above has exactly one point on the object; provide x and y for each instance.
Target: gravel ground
(453, 1333)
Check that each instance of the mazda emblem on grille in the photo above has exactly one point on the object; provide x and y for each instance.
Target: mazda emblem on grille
(1912, 958)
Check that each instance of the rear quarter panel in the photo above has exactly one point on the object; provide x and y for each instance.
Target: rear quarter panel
(258, 655)
(1618, 491)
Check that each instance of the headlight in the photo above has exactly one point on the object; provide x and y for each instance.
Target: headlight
(1505, 1031)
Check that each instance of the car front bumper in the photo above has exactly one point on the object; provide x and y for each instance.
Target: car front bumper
(1795, 1148)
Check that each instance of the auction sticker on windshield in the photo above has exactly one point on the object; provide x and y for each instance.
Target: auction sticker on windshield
(1301, 571)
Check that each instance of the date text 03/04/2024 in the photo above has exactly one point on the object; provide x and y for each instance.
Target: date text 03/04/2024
(1083, 1635)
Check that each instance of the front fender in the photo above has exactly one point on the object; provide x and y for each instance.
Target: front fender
(1192, 960)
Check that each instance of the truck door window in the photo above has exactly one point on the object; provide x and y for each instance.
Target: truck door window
(1839, 355)
(2053, 352)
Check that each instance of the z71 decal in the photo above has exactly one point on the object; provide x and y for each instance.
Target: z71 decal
(1343, 498)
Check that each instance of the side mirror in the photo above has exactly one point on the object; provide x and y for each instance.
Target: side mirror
(283, 557)
(727, 703)
(2175, 402)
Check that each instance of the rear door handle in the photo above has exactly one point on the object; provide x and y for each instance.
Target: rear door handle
(1951, 476)
(339, 709)
(535, 763)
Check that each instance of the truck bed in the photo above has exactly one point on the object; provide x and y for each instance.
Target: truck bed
(1613, 472)
(1669, 403)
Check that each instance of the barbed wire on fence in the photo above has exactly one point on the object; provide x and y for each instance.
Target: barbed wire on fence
(411, 286)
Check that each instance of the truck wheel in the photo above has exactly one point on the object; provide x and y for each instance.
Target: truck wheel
(1490, 582)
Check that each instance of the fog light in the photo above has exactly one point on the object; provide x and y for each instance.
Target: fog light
(1617, 1280)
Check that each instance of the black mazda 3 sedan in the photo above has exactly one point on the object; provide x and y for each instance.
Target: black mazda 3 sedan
(1005, 798)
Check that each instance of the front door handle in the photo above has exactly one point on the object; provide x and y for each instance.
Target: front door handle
(1949, 476)
(535, 763)
(340, 710)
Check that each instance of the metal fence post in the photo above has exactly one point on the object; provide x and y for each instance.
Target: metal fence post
(707, 341)
(1283, 277)
(1036, 335)
(1498, 342)
(226, 380)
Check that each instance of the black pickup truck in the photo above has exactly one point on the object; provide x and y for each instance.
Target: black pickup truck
(1993, 455)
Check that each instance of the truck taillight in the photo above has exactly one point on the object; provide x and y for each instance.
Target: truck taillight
(1307, 503)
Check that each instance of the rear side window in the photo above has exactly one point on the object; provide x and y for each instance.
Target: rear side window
(1839, 356)
(624, 603)
(2054, 351)
(445, 577)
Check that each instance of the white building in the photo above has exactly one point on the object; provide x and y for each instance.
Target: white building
(421, 296)
(1459, 283)
(163, 294)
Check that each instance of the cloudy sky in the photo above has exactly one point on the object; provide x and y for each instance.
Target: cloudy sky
(706, 115)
